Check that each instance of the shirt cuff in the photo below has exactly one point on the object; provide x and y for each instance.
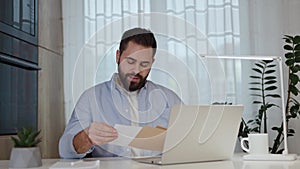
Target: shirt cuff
(83, 154)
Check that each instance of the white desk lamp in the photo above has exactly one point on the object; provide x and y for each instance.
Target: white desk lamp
(285, 156)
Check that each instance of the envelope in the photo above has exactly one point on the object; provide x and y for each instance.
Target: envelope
(150, 138)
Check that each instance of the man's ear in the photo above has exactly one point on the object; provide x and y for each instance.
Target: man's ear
(118, 53)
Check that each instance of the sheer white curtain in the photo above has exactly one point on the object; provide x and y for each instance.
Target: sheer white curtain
(184, 31)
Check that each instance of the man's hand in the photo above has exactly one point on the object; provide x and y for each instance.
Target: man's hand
(101, 133)
(96, 134)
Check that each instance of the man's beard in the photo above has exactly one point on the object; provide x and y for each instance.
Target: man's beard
(132, 86)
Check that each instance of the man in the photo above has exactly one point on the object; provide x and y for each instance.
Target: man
(127, 99)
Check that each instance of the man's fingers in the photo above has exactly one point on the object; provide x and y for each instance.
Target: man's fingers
(103, 129)
(106, 128)
(102, 133)
(102, 140)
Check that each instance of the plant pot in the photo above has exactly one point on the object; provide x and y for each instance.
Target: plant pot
(25, 157)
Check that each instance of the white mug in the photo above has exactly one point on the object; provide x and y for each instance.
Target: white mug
(258, 143)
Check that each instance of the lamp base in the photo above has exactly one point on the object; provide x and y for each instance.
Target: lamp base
(270, 157)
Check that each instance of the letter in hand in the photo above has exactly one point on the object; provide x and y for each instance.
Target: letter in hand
(97, 133)
(101, 133)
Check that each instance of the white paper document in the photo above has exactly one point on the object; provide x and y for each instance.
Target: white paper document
(125, 134)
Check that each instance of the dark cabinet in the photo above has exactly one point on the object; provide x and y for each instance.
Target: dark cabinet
(18, 65)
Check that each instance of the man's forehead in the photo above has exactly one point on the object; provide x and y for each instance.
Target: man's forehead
(140, 54)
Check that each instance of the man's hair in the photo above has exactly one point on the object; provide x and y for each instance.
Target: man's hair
(139, 36)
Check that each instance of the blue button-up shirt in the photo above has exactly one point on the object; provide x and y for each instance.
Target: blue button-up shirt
(106, 102)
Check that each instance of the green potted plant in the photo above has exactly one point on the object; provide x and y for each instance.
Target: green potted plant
(262, 86)
(292, 55)
(25, 153)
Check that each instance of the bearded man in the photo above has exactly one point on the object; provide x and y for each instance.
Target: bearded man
(127, 99)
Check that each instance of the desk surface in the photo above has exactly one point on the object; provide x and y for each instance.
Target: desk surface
(235, 163)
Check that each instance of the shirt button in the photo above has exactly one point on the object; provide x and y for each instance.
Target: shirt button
(126, 110)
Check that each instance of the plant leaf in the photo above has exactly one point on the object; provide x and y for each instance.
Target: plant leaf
(289, 55)
(16, 141)
(253, 88)
(270, 77)
(294, 109)
(294, 90)
(297, 47)
(33, 144)
(273, 95)
(297, 54)
(255, 83)
(259, 65)
(250, 121)
(277, 129)
(294, 79)
(270, 82)
(288, 37)
(287, 47)
(258, 95)
(271, 88)
(270, 105)
(27, 137)
(257, 70)
(287, 40)
(289, 62)
(294, 69)
(297, 59)
(22, 137)
(255, 77)
(257, 102)
(269, 71)
(297, 39)
(291, 131)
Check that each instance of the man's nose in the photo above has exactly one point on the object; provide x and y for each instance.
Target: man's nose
(137, 68)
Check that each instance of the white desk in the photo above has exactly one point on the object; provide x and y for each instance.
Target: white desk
(236, 163)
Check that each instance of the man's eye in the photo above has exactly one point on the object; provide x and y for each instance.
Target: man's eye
(130, 61)
(145, 64)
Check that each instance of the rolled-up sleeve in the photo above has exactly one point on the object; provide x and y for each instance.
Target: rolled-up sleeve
(79, 120)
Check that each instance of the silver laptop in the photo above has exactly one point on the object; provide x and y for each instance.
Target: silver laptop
(199, 133)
